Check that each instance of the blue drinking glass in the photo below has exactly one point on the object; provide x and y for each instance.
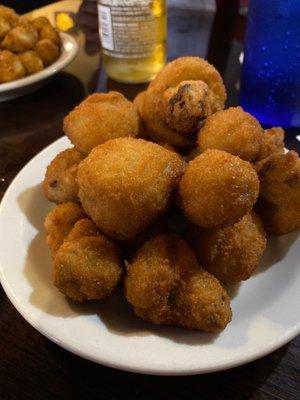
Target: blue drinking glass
(270, 85)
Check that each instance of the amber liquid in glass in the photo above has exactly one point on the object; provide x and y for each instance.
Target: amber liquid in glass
(133, 36)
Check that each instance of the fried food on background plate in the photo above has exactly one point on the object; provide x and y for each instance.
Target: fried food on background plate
(31, 61)
(59, 222)
(279, 194)
(87, 266)
(125, 183)
(49, 32)
(166, 285)
(170, 103)
(232, 253)
(40, 22)
(232, 130)
(21, 38)
(5, 27)
(11, 67)
(217, 189)
(9, 15)
(60, 182)
(47, 50)
(273, 142)
(100, 117)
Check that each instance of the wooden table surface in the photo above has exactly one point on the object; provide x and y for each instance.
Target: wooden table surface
(32, 367)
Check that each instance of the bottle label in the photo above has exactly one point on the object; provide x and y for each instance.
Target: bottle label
(129, 28)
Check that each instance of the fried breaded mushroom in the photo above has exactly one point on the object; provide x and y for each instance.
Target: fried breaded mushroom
(59, 222)
(166, 285)
(87, 265)
(60, 183)
(9, 15)
(5, 27)
(100, 117)
(47, 50)
(162, 121)
(231, 254)
(279, 195)
(40, 22)
(31, 61)
(125, 183)
(217, 189)
(138, 101)
(21, 38)
(187, 105)
(11, 67)
(49, 32)
(273, 142)
(232, 130)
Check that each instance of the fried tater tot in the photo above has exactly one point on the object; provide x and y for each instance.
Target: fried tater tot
(231, 254)
(166, 285)
(40, 22)
(31, 61)
(279, 195)
(59, 222)
(21, 38)
(273, 142)
(49, 32)
(9, 15)
(11, 67)
(232, 130)
(47, 50)
(87, 265)
(217, 189)
(125, 183)
(100, 117)
(60, 183)
(5, 27)
(160, 121)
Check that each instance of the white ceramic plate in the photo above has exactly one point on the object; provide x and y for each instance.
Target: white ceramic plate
(266, 308)
(20, 87)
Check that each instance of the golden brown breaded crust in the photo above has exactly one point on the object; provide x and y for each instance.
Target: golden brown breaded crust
(11, 67)
(165, 285)
(279, 195)
(138, 100)
(100, 117)
(232, 130)
(9, 15)
(40, 22)
(189, 68)
(21, 38)
(217, 189)
(60, 183)
(181, 69)
(230, 254)
(5, 27)
(60, 221)
(87, 268)
(125, 183)
(273, 142)
(47, 50)
(49, 32)
(83, 227)
(31, 61)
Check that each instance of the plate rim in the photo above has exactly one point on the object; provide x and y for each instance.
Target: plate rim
(221, 366)
(50, 70)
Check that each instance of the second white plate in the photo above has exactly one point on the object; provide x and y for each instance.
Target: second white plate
(20, 87)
